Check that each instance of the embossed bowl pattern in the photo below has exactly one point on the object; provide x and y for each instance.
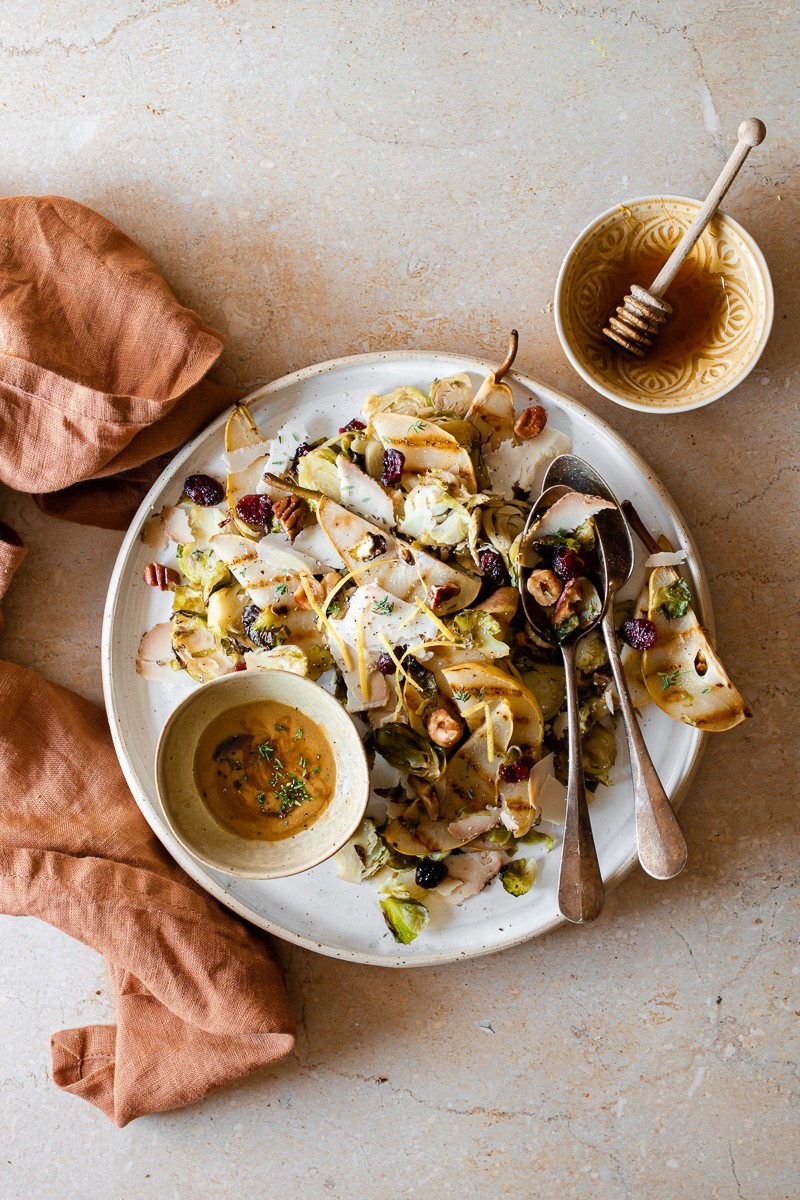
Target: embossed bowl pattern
(730, 344)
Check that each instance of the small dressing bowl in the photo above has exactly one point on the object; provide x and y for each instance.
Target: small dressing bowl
(721, 298)
(217, 845)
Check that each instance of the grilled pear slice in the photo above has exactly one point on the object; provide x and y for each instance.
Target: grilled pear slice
(479, 683)
(378, 557)
(425, 446)
(492, 411)
(244, 445)
(682, 672)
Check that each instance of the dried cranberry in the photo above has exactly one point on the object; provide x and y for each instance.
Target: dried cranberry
(492, 565)
(515, 772)
(386, 664)
(255, 510)
(638, 633)
(353, 426)
(301, 451)
(393, 463)
(430, 873)
(202, 489)
(566, 563)
(241, 666)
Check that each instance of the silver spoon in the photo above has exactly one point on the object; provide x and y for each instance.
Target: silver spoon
(580, 884)
(660, 842)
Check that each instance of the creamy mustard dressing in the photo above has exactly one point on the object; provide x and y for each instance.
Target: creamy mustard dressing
(265, 770)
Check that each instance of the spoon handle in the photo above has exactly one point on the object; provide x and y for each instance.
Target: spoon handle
(580, 885)
(660, 842)
(751, 133)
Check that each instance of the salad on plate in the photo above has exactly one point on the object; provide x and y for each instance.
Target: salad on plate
(383, 561)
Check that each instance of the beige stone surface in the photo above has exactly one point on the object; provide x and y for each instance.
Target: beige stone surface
(325, 178)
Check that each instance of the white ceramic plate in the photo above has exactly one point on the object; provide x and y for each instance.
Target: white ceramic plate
(316, 909)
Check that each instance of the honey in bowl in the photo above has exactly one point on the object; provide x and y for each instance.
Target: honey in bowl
(264, 770)
(721, 301)
(698, 295)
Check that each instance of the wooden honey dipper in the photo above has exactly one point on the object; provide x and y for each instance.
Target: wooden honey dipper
(640, 317)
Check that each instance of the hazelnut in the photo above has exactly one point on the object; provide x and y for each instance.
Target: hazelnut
(443, 728)
(316, 589)
(530, 423)
(544, 586)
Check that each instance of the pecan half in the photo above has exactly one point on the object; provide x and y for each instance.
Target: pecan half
(292, 514)
(530, 423)
(440, 595)
(164, 578)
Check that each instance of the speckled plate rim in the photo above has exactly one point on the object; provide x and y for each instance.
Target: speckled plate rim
(115, 718)
(656, 409)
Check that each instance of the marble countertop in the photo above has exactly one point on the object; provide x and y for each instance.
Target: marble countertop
(320, 179)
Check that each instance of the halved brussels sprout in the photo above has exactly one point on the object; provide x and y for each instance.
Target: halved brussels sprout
(518, 877)
(202, 654)
(401, 400)
(453, 394)
(203, 569)
(479, 630)
(463, 431)
(225, 608)
(363, 856)
(503, 523)
(405, 917)
(590, 653)
(188, 600)
(599, 748)
(407, 750)
(317, 472)
(547, 682)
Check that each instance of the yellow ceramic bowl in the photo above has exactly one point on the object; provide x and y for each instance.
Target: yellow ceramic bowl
(722, 305)
(217, 845)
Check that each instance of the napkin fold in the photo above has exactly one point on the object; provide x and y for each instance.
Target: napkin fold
(102, 375)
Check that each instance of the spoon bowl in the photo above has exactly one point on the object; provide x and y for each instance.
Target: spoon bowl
(660, 842)
(580, 883)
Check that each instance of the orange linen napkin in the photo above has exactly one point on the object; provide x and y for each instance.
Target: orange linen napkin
(101, 370)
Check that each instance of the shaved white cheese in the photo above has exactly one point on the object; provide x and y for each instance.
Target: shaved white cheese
(430, 517)
(376, 696)
(547, 793)
(468, 874)
(363, 495)
(283, 447)
(256, 564)
(666, 558)
(313, 543)
(155, 653)
(171, 524)
(245, 456)
(568, 514)
(373, 618)
(509, 464)
(377, 611)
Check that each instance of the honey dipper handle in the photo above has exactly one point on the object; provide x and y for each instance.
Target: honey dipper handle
(751, 133)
